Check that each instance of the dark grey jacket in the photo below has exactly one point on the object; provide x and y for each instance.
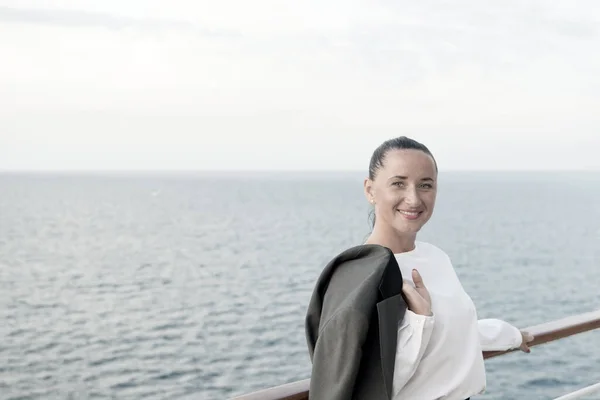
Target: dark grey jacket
(352, 323)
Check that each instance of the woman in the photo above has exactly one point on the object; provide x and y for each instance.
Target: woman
(390, 319)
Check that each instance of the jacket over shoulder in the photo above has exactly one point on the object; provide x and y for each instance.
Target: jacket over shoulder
(352, 323)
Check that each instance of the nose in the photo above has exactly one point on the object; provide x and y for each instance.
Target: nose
(412, 197)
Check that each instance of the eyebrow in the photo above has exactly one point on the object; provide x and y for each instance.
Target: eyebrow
(406, 177)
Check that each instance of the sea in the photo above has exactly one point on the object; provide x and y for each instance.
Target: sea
(194, 285)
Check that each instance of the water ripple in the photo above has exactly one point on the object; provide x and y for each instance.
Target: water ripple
(108, 292)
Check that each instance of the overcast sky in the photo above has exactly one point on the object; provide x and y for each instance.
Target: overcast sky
(311, 84)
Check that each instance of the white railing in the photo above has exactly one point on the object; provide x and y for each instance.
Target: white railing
(581, 392)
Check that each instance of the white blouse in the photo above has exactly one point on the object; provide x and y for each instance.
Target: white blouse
(440, 356)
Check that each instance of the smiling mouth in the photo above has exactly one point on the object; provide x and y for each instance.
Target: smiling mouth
(410, 214)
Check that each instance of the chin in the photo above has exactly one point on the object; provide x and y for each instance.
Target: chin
(408, 230)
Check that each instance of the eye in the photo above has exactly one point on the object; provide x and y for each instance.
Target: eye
(427, 185)
(399, 184)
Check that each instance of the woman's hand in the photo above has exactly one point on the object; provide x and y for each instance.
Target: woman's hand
(417, 297)
(527, 337)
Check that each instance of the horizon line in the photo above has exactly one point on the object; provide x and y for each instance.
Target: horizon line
(250, 171)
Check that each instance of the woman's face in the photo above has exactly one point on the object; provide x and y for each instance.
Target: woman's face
(404, 190)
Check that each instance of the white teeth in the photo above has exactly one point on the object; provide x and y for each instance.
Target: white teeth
(412, 214)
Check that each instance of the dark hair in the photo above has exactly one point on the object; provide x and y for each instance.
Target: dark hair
(399, 143)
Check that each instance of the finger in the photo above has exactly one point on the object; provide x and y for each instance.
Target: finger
(417, 279)
(528, 336)
(408, 289)
(410, 293)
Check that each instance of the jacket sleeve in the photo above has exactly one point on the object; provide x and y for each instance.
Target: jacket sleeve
(498, 335)
(337, 355)
(414, 334)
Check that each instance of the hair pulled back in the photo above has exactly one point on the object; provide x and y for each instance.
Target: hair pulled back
(399, 143)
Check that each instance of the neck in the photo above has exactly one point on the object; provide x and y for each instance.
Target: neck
(392, 240)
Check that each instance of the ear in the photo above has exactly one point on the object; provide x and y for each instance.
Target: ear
(369, 190)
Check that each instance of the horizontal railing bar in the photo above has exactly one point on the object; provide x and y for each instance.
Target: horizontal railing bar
(543, 333)
(581, 392)
(290, 391)
(558, 329)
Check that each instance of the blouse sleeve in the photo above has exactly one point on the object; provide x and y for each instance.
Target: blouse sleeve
(413, 336)
(498, 335)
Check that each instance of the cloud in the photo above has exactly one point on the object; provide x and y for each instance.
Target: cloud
(199, 75)
(85, 19)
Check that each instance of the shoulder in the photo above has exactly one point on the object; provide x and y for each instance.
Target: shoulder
(362, 260)
(354, 265)
(365, 252)
(347, 285)
(374, 256)
(433, 251)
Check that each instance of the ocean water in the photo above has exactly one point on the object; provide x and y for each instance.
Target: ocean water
(195, 286)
